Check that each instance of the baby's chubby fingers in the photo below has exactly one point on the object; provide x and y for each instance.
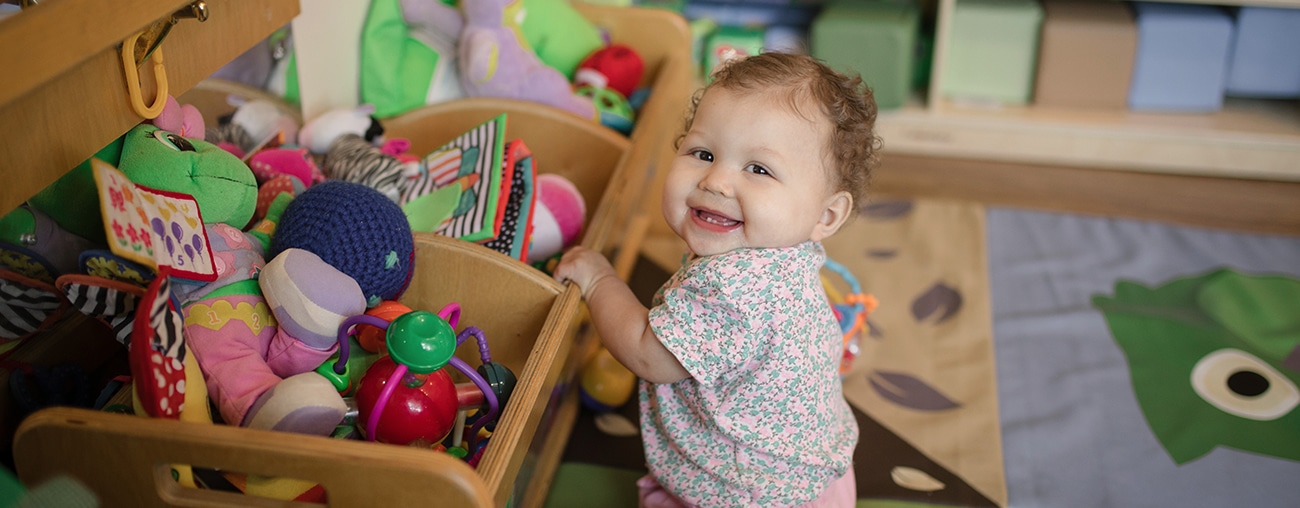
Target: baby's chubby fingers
(573, 265)
(583, 266)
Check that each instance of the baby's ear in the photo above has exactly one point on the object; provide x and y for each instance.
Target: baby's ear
(834, 215)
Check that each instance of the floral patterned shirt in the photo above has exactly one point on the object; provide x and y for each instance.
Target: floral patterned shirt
(762, 421)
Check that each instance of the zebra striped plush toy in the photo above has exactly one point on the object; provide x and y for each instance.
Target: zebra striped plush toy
(353, 159)
(352, 143)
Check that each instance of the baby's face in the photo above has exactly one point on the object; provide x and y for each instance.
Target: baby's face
(749, 173)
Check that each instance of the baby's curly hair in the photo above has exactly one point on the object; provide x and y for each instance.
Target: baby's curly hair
(845, 100)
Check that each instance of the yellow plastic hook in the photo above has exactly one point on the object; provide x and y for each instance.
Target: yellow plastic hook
(133, 79)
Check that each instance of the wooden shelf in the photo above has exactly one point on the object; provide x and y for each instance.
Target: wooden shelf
(51, 120)
(1289, 4)
(1250, 139)
(1236, 204)
(1255, 139)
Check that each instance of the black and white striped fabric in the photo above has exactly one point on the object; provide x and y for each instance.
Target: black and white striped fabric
(230, 133)
(441, 168)
(158, 351)
(24, 308)
(485, 143)
(114, 307)
(167, 324)
(353, 159)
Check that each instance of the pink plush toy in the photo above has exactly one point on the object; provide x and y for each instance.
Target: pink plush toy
(496, 62)
(558, 217)
(282, 170)
(184, 120)
(295, 162)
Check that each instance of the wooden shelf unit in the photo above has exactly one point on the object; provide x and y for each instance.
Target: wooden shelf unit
(65, 94)
(1251, 139)
(1237, 169)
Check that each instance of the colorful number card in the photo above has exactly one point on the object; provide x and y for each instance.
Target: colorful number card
(152, 227)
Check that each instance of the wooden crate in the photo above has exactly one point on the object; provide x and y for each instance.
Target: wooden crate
(611, 170)
(528, 319)
(61, 102)
(532, 323)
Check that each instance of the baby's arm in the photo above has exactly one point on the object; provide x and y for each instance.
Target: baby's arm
(621, 321)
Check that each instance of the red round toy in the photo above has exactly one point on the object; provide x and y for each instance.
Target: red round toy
(617, 67)
(407, 397)
(414, 414)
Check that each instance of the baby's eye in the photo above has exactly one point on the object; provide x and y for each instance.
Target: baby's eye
(703, 155)
(758, 170)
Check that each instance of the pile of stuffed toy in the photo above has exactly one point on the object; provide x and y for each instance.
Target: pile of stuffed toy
(418, 52)
(227, 256)
(415, 52)
(267, 250)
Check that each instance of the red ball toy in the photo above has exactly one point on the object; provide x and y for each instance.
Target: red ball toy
(617, 67)
(422, 414)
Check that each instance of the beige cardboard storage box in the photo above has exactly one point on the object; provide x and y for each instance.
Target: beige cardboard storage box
(1085, 59)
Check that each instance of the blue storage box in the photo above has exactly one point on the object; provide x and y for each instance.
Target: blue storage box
(752, 13)
(1182, 57)
(786, 39)
(1265, 60)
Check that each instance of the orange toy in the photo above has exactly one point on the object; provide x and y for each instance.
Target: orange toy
(370, 337)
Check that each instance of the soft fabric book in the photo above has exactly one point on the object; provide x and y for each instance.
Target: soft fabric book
(517, 208)
(152, 227)
(473, 162)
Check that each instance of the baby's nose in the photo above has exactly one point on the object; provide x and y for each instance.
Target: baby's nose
(716, 181)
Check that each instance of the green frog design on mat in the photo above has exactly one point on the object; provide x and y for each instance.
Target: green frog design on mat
(1214, 360)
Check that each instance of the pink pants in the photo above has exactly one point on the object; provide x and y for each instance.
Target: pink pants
(841, 493)
(241, 358)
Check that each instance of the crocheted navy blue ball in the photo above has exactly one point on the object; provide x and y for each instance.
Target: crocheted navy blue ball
(355, 229)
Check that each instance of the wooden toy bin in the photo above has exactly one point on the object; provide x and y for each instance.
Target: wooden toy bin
(610, 169)
(533, 326)
(580, 150)
(526, 316)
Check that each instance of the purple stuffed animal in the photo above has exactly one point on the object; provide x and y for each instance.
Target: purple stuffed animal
(495, 61)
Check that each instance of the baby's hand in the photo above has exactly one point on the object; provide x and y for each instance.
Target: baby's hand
(584, 267)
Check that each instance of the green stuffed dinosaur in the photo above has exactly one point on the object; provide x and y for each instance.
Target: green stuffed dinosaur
(220, 184)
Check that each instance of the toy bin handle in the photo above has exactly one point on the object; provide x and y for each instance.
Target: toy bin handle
(79, 442)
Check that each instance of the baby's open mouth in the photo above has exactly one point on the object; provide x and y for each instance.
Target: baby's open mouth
(715, 219)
